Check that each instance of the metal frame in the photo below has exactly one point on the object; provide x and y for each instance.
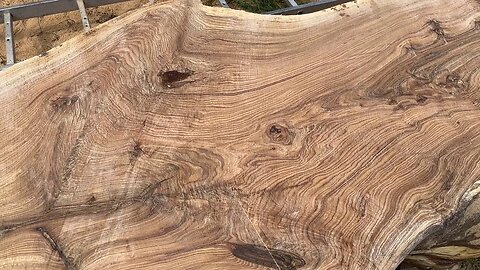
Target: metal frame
(49, 7)
(291, 3)
(9, 42)
(223, 3)
(42, 8)
(83, 12)
(296, 9)
(308, 8)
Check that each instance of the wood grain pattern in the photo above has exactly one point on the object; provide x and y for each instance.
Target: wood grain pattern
(189, 137)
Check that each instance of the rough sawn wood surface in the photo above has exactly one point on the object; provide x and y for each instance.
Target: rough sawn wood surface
(189, 137)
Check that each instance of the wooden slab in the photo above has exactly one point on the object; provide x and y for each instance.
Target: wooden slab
(188, 137)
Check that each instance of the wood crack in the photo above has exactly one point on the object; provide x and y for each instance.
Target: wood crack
(67, 261)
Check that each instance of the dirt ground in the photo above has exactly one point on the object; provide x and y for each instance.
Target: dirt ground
(38, 35)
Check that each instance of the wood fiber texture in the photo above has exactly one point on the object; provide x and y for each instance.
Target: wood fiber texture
(189, 137)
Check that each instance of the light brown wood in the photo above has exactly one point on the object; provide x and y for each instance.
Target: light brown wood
(188, 137)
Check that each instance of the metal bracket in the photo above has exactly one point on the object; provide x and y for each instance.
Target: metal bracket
(223, 3)
(9, 42)
(291, 3)
(308, 8)
(83, 13)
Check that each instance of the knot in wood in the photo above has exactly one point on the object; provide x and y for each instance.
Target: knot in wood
(280, 134)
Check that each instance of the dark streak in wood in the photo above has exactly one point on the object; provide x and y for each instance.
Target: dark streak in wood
(62, 103)
(436, 27)
(174, 78)
(273, 258)
(56, 247)
(136, 151)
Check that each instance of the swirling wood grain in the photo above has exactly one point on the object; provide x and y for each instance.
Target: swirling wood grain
(189, 137)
